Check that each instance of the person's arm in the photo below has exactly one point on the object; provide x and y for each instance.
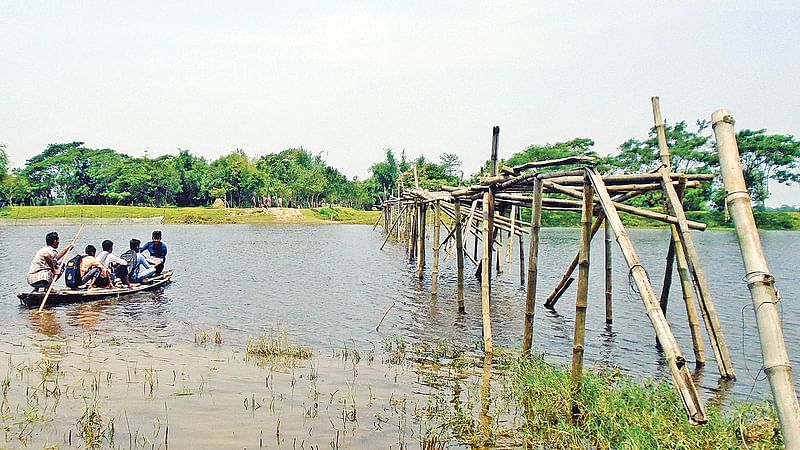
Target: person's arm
(114, 259)
(165, 250)
(95, 263)
(63, 252)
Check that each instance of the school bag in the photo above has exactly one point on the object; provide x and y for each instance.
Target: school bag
(72, 272)
(130, 258)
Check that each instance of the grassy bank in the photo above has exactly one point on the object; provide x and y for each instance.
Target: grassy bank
(525, 402)
(191, 215)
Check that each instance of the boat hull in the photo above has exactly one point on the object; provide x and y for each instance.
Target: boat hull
(65, 295)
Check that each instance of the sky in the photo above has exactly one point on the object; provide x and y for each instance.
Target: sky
(349, 79)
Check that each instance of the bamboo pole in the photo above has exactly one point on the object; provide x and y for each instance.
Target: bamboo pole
(459, 259)
(510, 247)
(689, 300)
(437, 220)
(486, 272)
(389, 233)
(559, 289)
(713, 325)
(662, 137)
(579, 338)
(521, 253)
(760, 282)
(423, 213)
(672, 353)
(533, 267)
(609, 287)
(412, 251)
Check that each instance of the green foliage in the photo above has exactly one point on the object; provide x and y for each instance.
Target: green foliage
(767, 157)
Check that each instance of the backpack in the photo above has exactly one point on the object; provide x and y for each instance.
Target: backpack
(72, 272)
(130, 258)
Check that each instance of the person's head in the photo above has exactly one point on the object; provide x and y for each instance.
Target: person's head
(157, 235)
(135, 244)
(52, 239)
(108, 246)
(90, 250)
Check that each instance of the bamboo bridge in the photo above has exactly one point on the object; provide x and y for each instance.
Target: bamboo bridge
(490, 212)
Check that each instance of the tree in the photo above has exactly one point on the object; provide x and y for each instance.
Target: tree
(386, 172)
(767, 157)
(3, 162)
(451, 164)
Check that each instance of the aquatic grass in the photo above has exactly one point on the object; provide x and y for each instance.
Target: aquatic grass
(276, 345)
(613, 411)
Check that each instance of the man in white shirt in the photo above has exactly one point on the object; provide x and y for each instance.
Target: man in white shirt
(115, 264)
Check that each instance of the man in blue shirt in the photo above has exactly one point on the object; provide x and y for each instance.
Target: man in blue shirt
(157, 251)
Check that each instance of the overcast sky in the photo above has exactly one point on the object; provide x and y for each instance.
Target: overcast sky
(350, 79)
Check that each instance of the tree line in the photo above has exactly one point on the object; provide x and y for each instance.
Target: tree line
(74, 174)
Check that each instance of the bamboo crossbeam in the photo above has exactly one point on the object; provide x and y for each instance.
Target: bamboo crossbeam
(633, 178)
(676, 361)
(552, 162)
(666, 218)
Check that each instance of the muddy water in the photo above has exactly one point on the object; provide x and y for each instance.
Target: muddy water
(327, 286)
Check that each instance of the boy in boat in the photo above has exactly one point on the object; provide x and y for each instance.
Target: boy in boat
(138, 267)
(46, 263)
(93, 271)
(117, 266)
(157, 251)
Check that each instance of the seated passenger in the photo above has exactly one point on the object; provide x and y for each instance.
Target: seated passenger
(45, 265)
(117, 266)
(157, 251)
(138, 267)
(93, 271)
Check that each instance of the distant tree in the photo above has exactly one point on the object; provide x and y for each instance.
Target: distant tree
(3, 162)
(767, 157)
(451, 164)
(386, 172)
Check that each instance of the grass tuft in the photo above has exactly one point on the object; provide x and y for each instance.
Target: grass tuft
(276, 345)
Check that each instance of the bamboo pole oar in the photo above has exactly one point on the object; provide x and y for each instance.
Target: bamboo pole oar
(60, 271)
(384, 316)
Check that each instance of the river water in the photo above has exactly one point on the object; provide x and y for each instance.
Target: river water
(327, 285)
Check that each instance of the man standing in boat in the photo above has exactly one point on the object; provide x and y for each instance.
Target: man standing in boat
(46, 263)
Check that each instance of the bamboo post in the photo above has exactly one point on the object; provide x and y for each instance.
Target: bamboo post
(412, 244)
(665, 288)
(459, 259)
(689, 300)
(662, 137)
(521, 253)
(510, 247)
(486, 271)
(583, 284)
(672, 352)
(389, 232)
(423, 212)
(609, 287)
(437, 220)
(761, 283)
(533, 267)
(713, 325)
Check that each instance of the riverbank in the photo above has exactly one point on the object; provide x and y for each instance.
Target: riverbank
(109, 214)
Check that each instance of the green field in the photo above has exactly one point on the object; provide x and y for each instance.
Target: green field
(191, 215)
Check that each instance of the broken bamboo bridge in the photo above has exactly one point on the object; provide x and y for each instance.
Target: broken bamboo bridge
(490, 213)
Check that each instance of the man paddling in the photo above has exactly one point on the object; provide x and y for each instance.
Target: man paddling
(45, 265)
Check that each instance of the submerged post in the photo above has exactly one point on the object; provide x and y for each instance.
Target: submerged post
(459, 258)
(486, 271)
(437, 221)
(759, 280)
(609, 288)
(583, 283)
(533, 266)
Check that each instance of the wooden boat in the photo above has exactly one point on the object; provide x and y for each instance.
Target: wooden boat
(67, 295)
